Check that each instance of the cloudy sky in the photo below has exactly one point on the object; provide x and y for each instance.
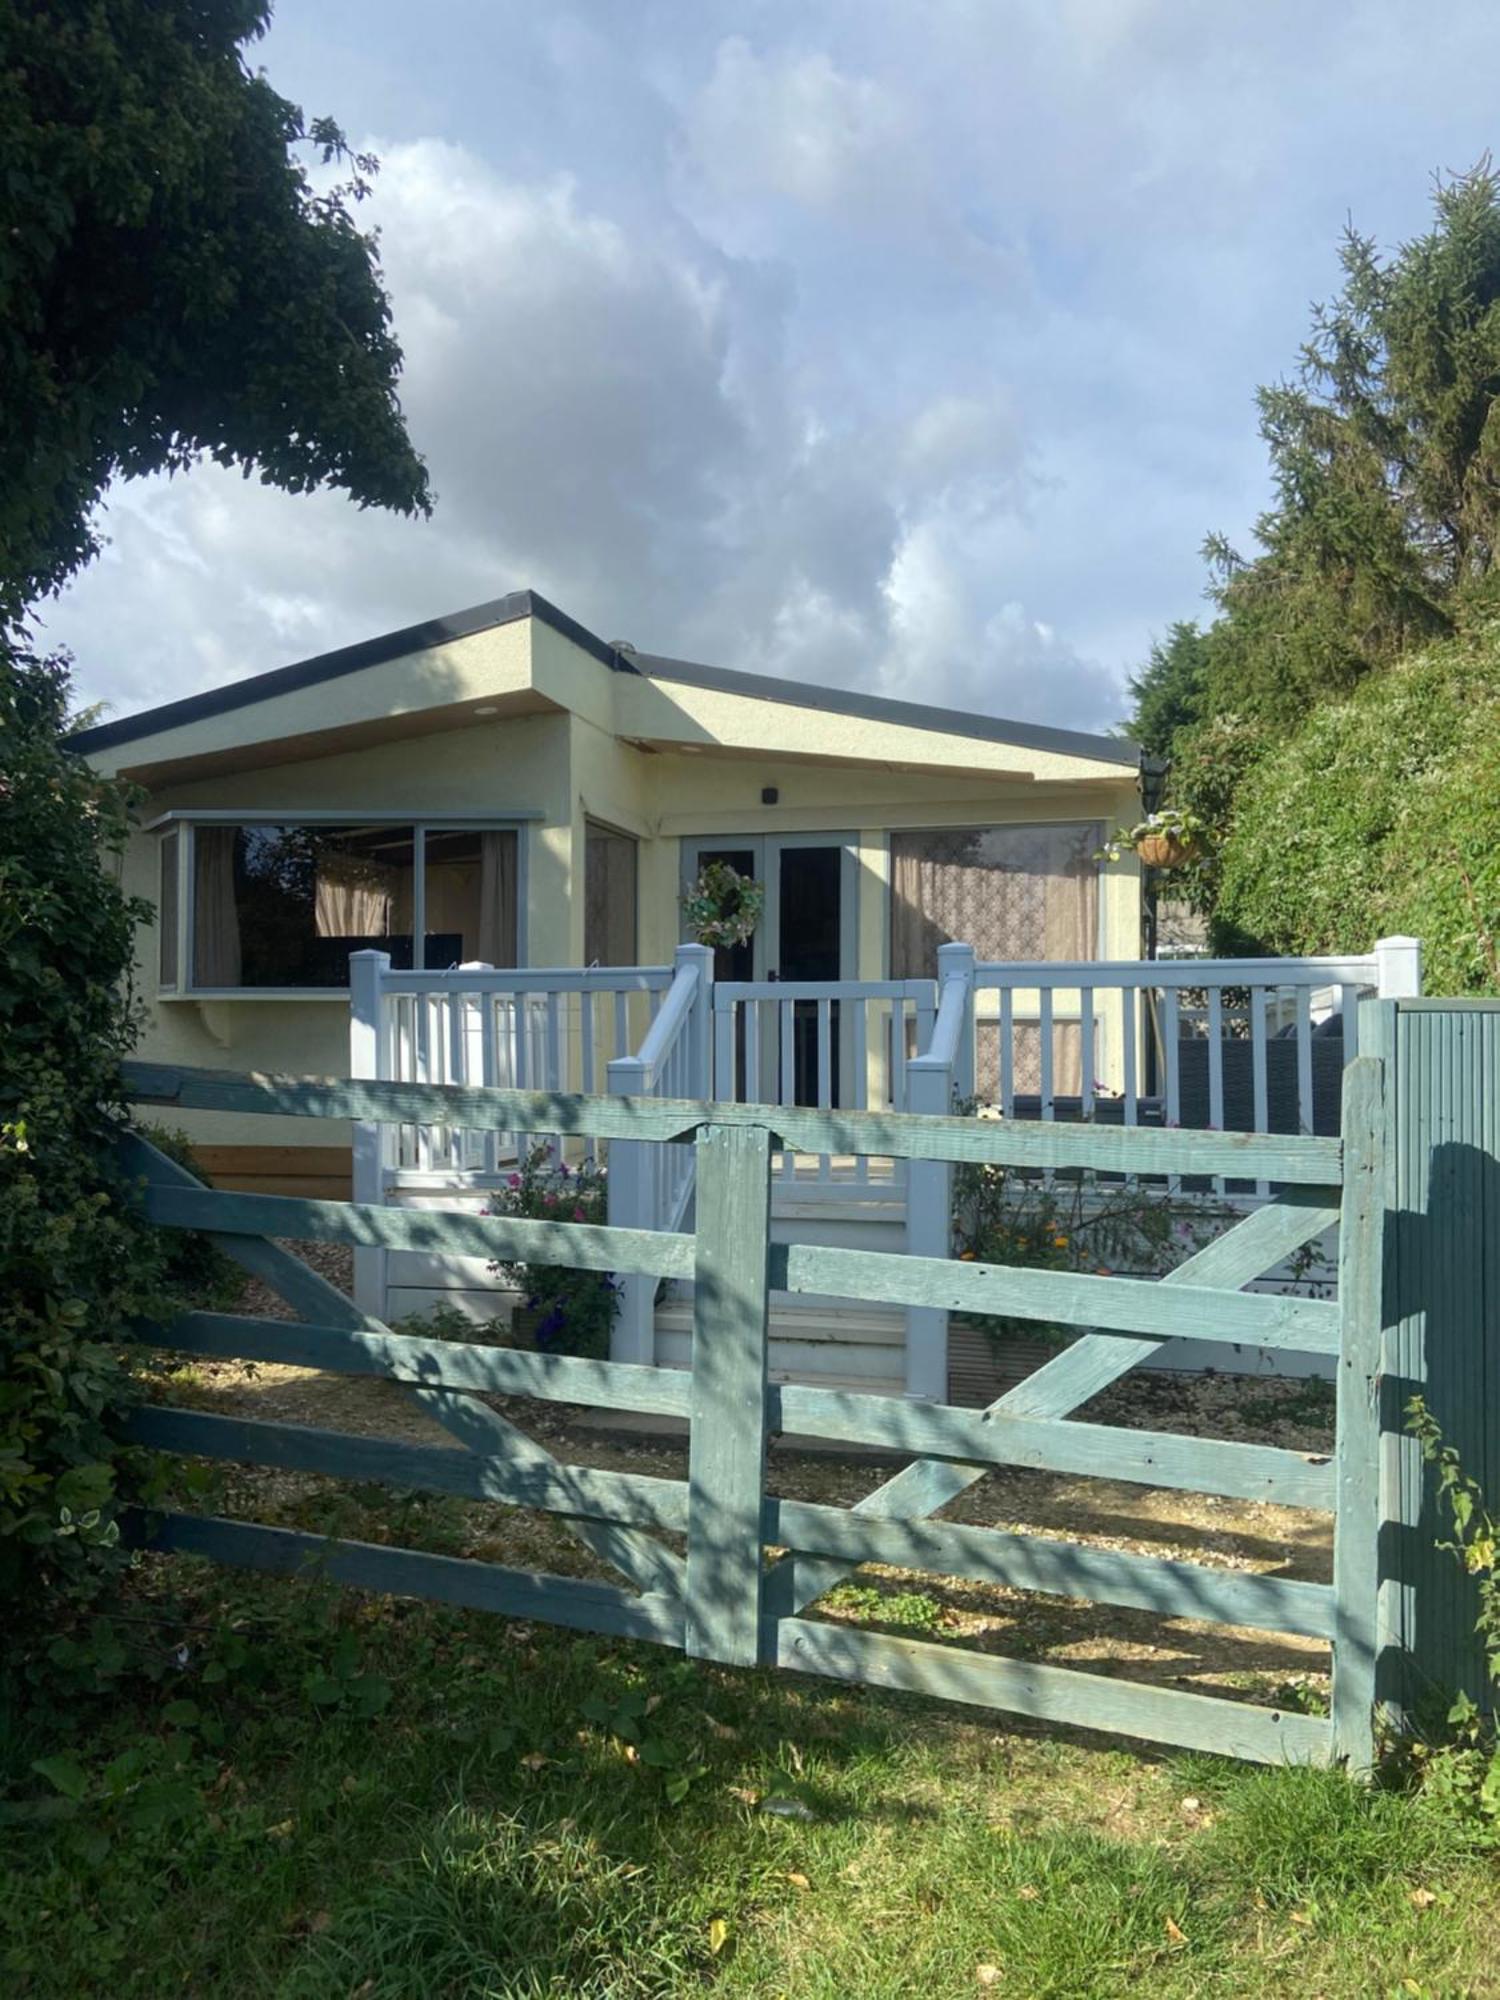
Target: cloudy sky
(900, 344)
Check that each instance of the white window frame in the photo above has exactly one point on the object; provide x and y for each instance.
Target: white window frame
(188, 820)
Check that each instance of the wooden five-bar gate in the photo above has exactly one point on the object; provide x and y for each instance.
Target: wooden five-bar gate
(738, 1568)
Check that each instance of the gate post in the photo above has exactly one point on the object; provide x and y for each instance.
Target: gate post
(1358, 1488)
(1443, 1321)
(727, 1442)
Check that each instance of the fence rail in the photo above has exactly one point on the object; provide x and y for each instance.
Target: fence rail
(723, 1601)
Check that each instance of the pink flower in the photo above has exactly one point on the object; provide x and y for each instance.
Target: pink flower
(579, 1216)
(550, 1200)
(514, 1181)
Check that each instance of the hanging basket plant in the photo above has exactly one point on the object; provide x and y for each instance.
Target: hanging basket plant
(1166, 840)
(722, 907)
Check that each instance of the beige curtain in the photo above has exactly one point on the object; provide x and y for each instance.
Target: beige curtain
(1014, 893)
(216, 929)
(353, 897)
(498, 928)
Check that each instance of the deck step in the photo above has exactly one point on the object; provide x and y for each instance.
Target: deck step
(835, 1347)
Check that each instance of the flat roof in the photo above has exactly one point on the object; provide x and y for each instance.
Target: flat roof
(881, 708)
(529, 604)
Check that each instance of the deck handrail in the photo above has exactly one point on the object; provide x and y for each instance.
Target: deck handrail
(1374, 969)
(526, 979)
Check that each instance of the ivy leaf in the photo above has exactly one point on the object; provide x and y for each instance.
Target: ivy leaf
(64, 1773)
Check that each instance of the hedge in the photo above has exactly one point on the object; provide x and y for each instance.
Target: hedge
(1381, 815)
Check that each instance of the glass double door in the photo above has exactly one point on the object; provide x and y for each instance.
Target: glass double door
(807, 933)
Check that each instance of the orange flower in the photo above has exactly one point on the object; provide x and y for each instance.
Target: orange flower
(966, 1256)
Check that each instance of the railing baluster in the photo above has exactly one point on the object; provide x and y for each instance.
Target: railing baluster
(586, 1055)
(489, 1004)
(752, 1051)
(859, 1063)
(1349, 1021)
(1128, 1002)
(724, 1067)
(1088, 1054)
(423, 1058)
(1260, 1097)
(1216, 1068)
(1304, 1060)
(1044, 1039)
(825, 1076)
(786, 1020)
(1007, 1052)
(1171, 1035)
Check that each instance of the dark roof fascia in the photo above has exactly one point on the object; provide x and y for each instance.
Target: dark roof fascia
(348, 660)
(880, 708)
(529, 604)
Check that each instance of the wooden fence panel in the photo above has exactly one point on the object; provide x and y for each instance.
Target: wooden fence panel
(722, 1602)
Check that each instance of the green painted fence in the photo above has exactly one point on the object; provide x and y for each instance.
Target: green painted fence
(724, 1600)
(1442, 1062)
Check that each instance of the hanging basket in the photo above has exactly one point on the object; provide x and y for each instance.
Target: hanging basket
(1168, 850)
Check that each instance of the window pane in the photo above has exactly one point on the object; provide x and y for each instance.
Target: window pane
(1013, 892)
(471, 898)
(286, 905)
(609, 871)
(277, 906)
(167, 910)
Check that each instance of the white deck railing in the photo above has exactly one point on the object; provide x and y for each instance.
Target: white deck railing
(509, 1028)
(1089, 1039)
(1243, 1044)
(846, 1043)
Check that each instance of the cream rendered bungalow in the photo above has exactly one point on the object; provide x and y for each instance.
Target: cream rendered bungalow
(457, 853)
(502, 786)
(501, 789)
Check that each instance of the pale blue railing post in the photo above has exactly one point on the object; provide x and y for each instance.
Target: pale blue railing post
(701, 1032)
(631, 1186)
(957, 962)
(933, 1077)
(368, 1057)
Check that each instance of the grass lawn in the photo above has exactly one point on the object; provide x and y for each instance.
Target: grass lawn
(334, 1795)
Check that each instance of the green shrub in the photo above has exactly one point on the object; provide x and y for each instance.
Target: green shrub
(76, 1261)
(1381, 815)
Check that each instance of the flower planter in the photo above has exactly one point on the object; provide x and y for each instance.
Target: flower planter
(1167, 850)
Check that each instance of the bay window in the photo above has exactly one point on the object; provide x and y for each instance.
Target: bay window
(280, 905)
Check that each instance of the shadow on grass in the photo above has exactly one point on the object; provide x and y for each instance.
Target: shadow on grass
(525, 1813)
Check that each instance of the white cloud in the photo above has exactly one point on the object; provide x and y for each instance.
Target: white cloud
(794, 125)
(906, 347)
(611, 420)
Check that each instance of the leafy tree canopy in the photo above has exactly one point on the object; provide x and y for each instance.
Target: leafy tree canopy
(1382, 542)
(173, 283)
